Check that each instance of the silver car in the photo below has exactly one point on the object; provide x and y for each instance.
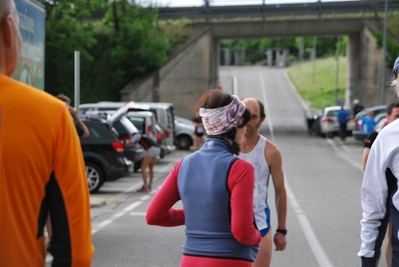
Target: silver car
(184, 132)
(329, 125)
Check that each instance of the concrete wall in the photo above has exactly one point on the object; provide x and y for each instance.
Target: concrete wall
(189, 73)
(193, 69)
(366, 76)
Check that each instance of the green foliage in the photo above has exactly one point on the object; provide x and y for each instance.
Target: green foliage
(63, 37)
(392, 39)
(392, 48)
(321, 92)
(176, 32)
(110, 56)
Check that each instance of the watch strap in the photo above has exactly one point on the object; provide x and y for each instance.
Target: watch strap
(282, 231)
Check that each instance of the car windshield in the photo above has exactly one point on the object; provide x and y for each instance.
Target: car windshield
(138, 122)
(333, 113)
(125, 127)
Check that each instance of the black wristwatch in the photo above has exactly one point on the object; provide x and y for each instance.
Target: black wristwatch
(282, 231)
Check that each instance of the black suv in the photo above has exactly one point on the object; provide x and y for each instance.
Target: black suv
(103, 152)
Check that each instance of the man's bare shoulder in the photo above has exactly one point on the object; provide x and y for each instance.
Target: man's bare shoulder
(271, 149)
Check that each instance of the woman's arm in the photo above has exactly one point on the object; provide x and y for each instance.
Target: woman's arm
(160, 211)
(241, 185)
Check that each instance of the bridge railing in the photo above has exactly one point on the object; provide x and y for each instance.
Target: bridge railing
(363, 7)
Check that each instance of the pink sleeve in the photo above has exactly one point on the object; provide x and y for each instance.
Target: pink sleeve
(241, 185)
(160, 211)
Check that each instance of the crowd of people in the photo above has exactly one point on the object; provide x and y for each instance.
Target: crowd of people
(233, 227)
(226, 178)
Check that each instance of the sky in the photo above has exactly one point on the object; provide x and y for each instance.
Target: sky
(181, 3)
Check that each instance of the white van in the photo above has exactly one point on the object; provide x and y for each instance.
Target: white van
(165, 116)
(146, 124)
(108, 105)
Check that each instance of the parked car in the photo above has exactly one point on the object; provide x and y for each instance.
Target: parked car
(126, 129)
(358, 131)
(109, 105)
(144, 122)
(165, 116)
(146, 125)
(380, 122)
(184, 132)
(103, 153)
(329, 125)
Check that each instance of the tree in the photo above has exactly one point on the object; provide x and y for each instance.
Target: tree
(110, 56)
(67, 30)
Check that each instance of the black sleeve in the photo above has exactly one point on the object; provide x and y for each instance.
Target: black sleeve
(60, 244)
(369, 262)
(79, 129)
(370, 139)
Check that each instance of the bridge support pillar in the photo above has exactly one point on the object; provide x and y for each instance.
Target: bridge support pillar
(269, 57)
(353, 87)
(239, 57)
(214, 62)
(226, 57)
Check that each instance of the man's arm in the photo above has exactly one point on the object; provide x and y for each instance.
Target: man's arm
(366, 152)
(274, 159)
(368, 142)
(375, 217)
(71, 242)
(79, 122)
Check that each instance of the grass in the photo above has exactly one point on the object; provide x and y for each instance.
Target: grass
(318, 88)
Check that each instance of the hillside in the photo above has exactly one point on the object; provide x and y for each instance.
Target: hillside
(320, 92)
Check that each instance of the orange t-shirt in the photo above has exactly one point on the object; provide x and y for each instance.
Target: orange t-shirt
(41, 170)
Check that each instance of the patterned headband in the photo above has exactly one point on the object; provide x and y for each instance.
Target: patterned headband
(223, 119)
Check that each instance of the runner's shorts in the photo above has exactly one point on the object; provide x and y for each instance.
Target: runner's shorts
(154, 152)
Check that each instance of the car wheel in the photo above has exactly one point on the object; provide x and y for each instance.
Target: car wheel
(95, 177)
(185, 142)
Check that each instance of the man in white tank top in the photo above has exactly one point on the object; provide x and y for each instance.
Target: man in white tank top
(267, 161)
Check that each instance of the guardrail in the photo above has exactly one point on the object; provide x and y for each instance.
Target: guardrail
(275, 10)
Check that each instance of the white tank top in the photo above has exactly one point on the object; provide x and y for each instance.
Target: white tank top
(262, 174)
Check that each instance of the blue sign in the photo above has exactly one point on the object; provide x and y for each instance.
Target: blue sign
(30, 68)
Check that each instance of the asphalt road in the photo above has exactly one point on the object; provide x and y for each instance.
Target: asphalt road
(323, 179)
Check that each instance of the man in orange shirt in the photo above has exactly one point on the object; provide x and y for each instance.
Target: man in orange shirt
(41, 168)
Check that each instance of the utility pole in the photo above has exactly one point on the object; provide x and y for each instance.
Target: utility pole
(207, 10)
(263, 10)
(314, 58)
(384, 55)
(77, 80)
(337, 69)
(301, 49)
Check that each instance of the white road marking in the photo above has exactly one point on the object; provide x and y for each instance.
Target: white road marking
(342, 155)
(137, 214)
(126, 210)
(235, 85)
(311, 237)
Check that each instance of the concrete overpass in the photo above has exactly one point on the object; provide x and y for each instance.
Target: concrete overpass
(193, 69)
(266, 10)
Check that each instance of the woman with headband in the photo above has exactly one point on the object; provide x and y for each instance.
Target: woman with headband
(216, 189)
